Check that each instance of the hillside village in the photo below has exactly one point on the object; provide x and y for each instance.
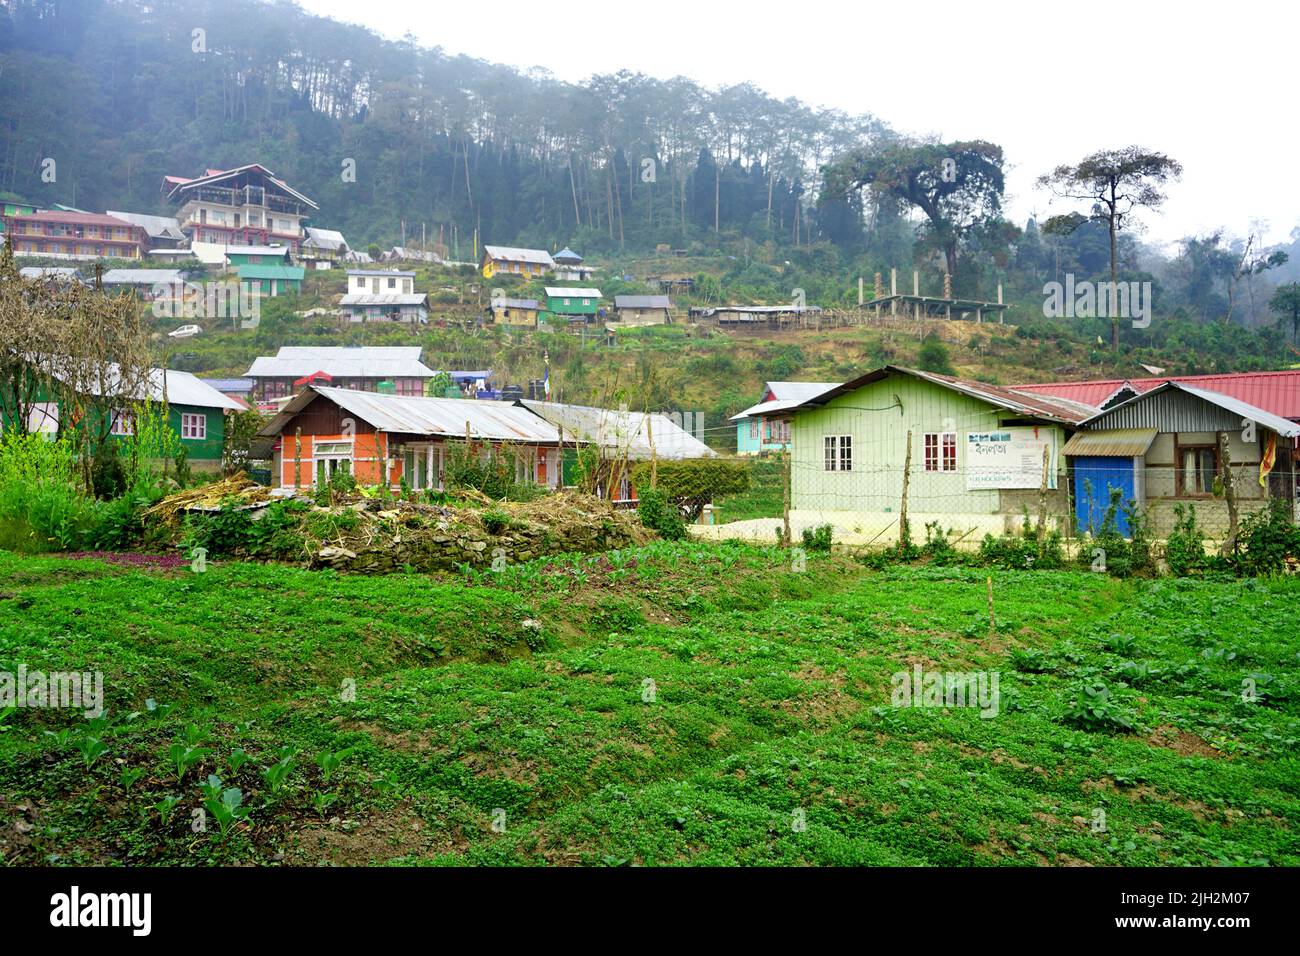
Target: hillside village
(887, 447)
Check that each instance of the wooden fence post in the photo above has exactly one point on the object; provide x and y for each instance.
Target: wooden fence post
(903, 531)
(785, 508)
(1042, 497)
(1229, 494)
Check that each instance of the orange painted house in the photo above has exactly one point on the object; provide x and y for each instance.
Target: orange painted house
(387, 438)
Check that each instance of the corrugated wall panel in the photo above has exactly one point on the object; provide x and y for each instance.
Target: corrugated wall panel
(1171, 411)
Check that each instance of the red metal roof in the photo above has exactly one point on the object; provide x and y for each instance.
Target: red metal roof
(74, 218)
(1276, 392)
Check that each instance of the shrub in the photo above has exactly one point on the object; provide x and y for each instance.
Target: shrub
(1184, 551)
(1118, 552)
(1267, 538)
(933, 357)
(818, 539)
(228, 531)
(495, 520)
(41, 505)
(490, 472)
(107, 472)
(660, 515)
(120, 523)
(693, 483)
(1093, 708)
(938, 548)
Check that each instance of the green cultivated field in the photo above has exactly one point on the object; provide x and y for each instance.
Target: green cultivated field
(478, 738)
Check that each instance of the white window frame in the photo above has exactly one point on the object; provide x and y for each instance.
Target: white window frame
(941, 460)
(194, 426)
(837, 453)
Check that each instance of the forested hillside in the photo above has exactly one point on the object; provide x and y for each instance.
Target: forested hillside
(387, 136)
(123, 93)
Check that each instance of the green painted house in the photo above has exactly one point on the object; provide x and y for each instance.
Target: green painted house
(196, 414)
(271, 280)
(15, 207)
(976, 460)
(576, 302)
(257, 255)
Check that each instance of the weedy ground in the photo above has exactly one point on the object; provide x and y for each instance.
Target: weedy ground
(674, 704)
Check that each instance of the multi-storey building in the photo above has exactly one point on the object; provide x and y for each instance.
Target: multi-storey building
(239, 207)
(74, 235)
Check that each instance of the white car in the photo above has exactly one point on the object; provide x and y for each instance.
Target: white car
(185, 332)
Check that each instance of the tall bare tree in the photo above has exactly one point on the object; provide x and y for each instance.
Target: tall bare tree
(1115, 182)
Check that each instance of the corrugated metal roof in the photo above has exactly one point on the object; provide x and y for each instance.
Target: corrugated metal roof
(230, 384)
(324, 238)
(271, 272)
(515, 303)
(642, 302)
(73, 218)
(1276, 391)
(386, 273)
(445, 417)
(50, 272)
(394, 298)
(155, 226)
(515, 254)
(622, 432)
(567, 255)
(555, 291)
(186, 389)
(142, 277)
(758, 309)
(280, 251)
(1178, 407)
(788, 395)
(1025, 403)
(182, 388)
(216, 175)
(1111, 442)
(293, 361)
(797, 391)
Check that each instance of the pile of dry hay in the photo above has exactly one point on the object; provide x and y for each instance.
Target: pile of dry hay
(238, 491)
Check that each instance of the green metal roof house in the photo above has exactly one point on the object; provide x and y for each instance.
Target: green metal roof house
(271, 280)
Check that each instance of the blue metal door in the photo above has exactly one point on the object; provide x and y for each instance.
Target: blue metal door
(1102, 474)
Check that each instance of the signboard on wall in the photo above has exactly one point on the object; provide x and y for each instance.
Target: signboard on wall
(1007, 458)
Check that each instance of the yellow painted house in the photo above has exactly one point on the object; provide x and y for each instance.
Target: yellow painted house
(508, 260)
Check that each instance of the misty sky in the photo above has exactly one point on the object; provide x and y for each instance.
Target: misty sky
(1210, 84)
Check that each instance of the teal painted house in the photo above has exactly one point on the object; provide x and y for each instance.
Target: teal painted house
(759, 430)
(257, 255)
(271, 280)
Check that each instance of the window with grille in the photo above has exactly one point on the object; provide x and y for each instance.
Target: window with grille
(194, 426)
(941, 451)
(837, 453)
